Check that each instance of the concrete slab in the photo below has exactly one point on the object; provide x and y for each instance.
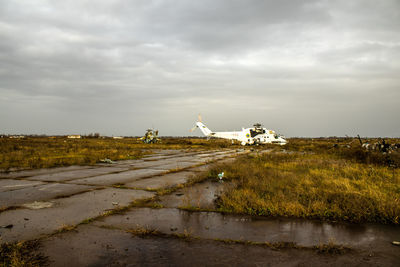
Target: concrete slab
(30, 224)
(202, 160)
(201, 168)
(10, 184)
(121, 163)
(148, 164)
(76, 174)
(175, 165)
(27, 173)
(162, 181)
(118, 178)
(39, 193)
(211, 225)
(159, 157)
(94, 246)
(201, 195)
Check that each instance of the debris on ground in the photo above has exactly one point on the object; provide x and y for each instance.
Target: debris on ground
(396, 243)
(38, 205)
(9, 226)
(115, 203)
(109, 161)
(150, 137)
(221, 176)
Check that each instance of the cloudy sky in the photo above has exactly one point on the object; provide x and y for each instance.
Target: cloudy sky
(303, 68)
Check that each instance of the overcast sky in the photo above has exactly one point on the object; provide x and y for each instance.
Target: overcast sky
(302, 68)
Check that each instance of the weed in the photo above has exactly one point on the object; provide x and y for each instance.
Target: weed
(87, 221)
(144, 232)
(66, 228)
(22, 254)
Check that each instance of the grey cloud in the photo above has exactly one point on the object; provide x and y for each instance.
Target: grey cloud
(302, 67)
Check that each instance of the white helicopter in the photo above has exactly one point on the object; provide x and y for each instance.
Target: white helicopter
(247, 136)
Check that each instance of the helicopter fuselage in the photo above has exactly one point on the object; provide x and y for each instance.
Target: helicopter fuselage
(247, 136)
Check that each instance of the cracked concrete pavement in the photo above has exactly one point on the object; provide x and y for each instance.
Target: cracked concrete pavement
(40, 202)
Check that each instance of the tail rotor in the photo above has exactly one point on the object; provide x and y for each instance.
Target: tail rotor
(196, 126)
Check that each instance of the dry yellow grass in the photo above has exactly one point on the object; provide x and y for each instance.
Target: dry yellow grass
(312, 185)
(43, 152)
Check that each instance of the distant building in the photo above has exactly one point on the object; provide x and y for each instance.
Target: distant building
(16, 136)
(73, 136)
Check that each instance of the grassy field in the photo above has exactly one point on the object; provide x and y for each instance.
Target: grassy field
(315, 179)
(43, 152)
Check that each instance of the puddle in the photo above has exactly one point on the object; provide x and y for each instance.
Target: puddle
(200, 195)
(213, 225)
(94, 246)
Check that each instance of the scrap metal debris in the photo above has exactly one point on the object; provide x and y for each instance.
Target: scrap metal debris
(9, 226)
(109, 161)
(150, 137)
(396, 243)
(380, 146)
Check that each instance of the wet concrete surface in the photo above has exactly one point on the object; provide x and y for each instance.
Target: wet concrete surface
(69, 195)
(176, 165)
(31, 223)
(201, 196)
(76, 174)
(214, 225)
(27, 173)
(118, 178)
(94, 246)
(9, 184)
(40, 193)
(162, 181)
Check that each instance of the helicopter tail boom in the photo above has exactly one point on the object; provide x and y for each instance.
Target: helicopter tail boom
(203, 129)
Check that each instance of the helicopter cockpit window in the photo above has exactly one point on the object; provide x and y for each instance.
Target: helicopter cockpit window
(256, 131)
